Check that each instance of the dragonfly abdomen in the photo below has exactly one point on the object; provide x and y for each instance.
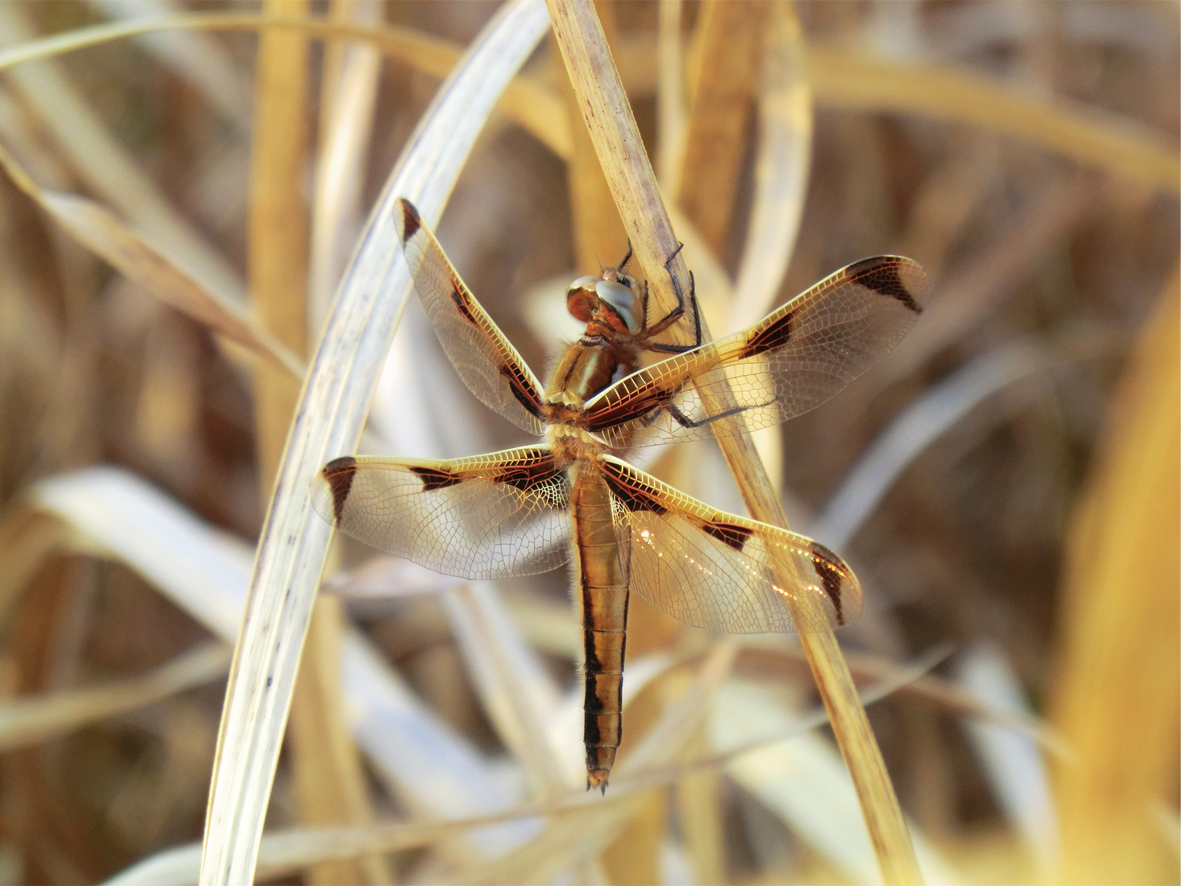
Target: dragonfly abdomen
(602, 594)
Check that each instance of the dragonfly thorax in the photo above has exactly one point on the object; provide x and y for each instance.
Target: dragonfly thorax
(571, 443)
(589, 366)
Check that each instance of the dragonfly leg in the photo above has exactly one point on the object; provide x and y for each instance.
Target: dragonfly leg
(627, 257)
(685, 422)
(676, 313)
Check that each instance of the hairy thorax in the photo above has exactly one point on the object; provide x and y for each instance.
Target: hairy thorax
(586, 369)
(571, 443)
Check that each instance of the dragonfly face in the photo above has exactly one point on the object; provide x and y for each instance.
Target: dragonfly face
(529, 510)
(607, 301)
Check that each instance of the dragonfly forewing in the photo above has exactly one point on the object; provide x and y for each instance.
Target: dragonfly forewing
(793, 360)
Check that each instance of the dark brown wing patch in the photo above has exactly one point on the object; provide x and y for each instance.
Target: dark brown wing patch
(434, 479)
(640, 402)
(529, 475)
(881, 274)
(727, 533)
(410, 220)
(773, 336)
(339, 474)
(632, 496)
(524, 476)
(460, 298)
(523, 391)
(830, 569)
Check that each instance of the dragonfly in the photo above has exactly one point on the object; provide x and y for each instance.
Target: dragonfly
(572, 498)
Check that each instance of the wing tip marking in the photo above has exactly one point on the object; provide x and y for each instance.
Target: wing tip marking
(832, 571)
(411, 220)
(339, 474)
(894, 277)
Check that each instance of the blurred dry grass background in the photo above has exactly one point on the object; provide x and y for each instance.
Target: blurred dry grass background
(1007, 482)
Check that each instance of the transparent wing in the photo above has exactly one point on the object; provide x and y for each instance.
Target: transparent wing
(789, 362)
(490, 516)
(717, 570)
(488, 364)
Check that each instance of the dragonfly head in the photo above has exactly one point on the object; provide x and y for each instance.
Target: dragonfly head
(610, 298)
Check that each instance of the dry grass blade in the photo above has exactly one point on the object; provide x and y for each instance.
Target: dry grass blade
(1118, 661)
(104, 165)
(940, 408)
(282, 853)
(27, 540)
(714, 288)
(570, 841)
(31, 720)
(517, 697)
(796, 777)
(329, 782)
(420, 757)
(723, 60)
(278, 235)
(703, 823)
(783, 160)
(349, 86)
(598, 232)
(340, 385)
(890, 678)
(670, 92)
(678, 725)
(999, 145)
(196, 57)
(916, 685)
(608, 116)
(840, 79)
(850, 80)
(1015, 765)
(151, 266)
(620, 150)
(113, 514)
(536, 108)
(975, 290)
(384, 578)
(431, 54)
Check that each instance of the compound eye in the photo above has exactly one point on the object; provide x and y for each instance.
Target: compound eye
(620, 299)
(581, 298)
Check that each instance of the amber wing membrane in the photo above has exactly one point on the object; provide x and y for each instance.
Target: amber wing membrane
(488, 364)
(721, 571)
(789, 362)
(478, 518)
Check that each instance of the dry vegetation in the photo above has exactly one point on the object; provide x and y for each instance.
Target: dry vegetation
(177, 208)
